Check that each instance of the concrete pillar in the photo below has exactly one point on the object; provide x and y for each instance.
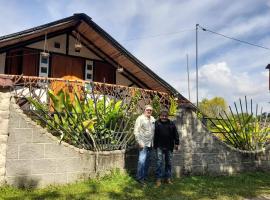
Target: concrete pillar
(4, 120)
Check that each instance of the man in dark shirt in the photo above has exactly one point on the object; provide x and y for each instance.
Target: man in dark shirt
(166, 138)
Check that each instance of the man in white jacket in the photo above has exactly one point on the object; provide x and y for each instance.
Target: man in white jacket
(144, 133)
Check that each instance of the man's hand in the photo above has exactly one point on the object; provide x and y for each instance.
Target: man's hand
(140, 146)
(176, 147)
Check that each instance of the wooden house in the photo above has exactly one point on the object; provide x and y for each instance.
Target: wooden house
(76, 46)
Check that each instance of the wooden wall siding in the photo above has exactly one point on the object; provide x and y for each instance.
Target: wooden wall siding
(30, 62)
(22, 61)
(2, 63)
(123, 60)
(14, 62)
(40, 33)
(104, 70)
(67, 66)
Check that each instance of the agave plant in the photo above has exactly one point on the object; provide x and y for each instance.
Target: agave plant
(243, 128)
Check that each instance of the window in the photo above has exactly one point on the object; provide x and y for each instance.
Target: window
(43, 65)
(89, 67)
(89, 70)
(44, 60)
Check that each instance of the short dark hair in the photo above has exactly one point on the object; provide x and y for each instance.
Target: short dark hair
(164, 111)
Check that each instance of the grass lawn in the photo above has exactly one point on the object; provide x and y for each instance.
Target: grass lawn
(122, 186)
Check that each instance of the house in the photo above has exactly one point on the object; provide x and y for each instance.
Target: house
(76, 46)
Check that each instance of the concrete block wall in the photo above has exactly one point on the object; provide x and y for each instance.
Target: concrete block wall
(32, 157)
(202, 153)
(35, 158)
(4, 119)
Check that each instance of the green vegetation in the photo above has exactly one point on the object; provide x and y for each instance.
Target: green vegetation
(122, 186)
(94, 122)
(90, 123)
(242, 128)
(214, 107)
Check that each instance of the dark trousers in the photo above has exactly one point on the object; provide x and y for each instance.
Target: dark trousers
(163, 157)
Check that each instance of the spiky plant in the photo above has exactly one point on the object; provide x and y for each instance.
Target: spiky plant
(243, 128)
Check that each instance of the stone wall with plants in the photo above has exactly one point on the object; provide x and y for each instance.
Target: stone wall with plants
(36, 158)
(203, 153)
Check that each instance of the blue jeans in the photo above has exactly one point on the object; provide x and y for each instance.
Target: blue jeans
(167, 154)
(143, 163)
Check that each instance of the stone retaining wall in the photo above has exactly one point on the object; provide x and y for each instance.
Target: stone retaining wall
(35, 158)
(4, 119)
(30, 156)
(202, 153)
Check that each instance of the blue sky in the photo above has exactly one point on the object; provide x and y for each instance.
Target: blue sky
(162, 32)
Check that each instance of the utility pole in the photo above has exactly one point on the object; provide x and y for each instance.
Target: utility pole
(197, 82)
(188, 79)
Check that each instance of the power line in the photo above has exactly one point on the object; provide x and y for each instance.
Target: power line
(235, 39)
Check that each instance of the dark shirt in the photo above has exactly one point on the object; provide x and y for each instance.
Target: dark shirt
(166, 135)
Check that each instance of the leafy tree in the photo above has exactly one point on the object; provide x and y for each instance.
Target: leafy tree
(214, 107)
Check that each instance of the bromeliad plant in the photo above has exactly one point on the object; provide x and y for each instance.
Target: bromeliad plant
(92, 120)
(89, 123)
(243, 128)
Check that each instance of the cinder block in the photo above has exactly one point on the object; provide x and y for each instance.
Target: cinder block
(5, 93)
(4, 114)
(59, 151)
(3, 149)
(12, 151)
(14, 119)
(4, 125)
(25, 123)
(2, 171)
(4, 104)
(72, 177)
(2, 180)
(40, 137)
(43, 166)
(31, 151)
(18, 167)
(20, 136)
(3, 139)
(60, 178)
(24, 181)
(70, 165)
(2, 161)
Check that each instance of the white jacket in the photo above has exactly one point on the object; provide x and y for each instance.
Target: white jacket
(144, 130)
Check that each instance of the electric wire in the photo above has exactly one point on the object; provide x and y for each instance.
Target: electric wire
(232, 38)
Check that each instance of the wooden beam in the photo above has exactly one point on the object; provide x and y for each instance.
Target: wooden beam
(106, 57)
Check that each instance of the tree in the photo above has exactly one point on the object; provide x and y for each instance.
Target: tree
(214, 107)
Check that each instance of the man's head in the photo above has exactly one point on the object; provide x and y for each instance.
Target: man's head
(163, 116)
(148, 110)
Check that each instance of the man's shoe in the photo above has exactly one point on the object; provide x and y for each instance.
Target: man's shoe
(158, 183)
(168, 181)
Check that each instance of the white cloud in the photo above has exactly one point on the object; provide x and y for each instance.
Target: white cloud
(227, 68)
(217, 79)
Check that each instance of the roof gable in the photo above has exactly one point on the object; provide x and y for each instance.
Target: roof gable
(96, 39)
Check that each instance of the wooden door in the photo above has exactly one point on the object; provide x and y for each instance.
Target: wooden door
(104, 71)
(67, 66)
(14, 62)
(30, 62)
